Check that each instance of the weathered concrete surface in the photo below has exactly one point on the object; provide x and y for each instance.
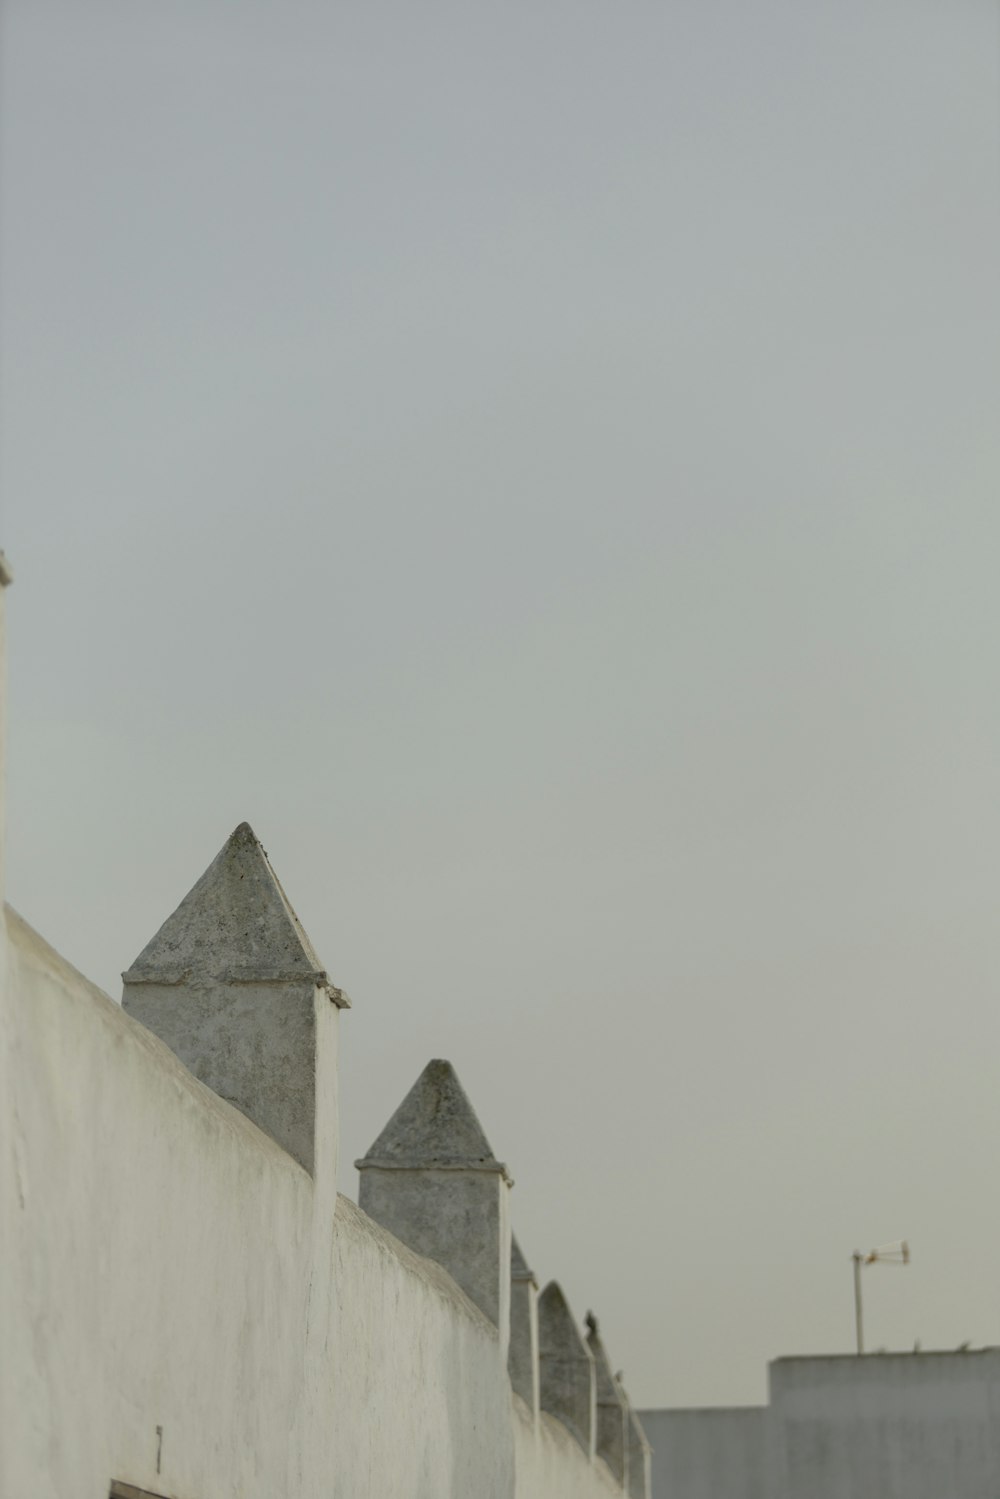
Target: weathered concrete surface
(888, 1426)
(566, 1369)
(898, 1426)
(709, 1454)
(458, 1219)
(612, 1433)
(176, 1269)
(522, 1358)
(550, 1463)
(432, 1179)
(435, 1125)
(159, 1242)
(424, 1414)
(252, 1044)
(231, 983)
(235, 925)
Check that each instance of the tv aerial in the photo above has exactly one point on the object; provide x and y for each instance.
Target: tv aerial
(896, 1253)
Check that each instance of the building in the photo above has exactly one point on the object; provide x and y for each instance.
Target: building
(872, 1426)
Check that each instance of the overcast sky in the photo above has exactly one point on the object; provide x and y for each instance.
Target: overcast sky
(539, 465)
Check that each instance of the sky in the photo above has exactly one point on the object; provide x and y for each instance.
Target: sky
(539, 465)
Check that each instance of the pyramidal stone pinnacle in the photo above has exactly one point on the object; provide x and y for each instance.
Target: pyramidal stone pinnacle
(233, 985)
(561, 1336)
(235, 925)
(566, 1368)
(436, 1127)
(432, 1179)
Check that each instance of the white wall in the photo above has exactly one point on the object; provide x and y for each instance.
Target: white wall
(194, 1314)
(420, 1400)
(174, 1271)
(550, 1463)
(709, 1454)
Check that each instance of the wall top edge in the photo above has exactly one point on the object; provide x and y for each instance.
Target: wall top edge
(906, 1354)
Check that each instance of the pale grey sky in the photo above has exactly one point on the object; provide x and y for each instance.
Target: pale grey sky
(539, 464)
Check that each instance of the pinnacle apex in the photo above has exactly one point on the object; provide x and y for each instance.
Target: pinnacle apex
(435, 1125)
(234, 925)
(557, 1329)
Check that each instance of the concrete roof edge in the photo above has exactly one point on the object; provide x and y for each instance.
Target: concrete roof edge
(873, 1358)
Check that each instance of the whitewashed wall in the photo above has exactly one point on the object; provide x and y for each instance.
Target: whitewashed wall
(550, 1463)
(425, 1413)
(195, 1315)
(174, 1272)
(161, 1247)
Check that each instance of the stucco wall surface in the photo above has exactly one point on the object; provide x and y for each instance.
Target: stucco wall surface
(191, 1314)
(160, 1244)
(551, 1464)
(709, 1454)
(420, 1401)
(895, 1426)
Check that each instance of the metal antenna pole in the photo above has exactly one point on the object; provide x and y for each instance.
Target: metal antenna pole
(889, 1254)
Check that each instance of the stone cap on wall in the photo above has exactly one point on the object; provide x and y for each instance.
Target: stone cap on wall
(434, 1128)
(235, 925)
(558, 1333)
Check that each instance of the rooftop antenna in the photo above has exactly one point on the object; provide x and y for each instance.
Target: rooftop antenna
(897, 1253)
